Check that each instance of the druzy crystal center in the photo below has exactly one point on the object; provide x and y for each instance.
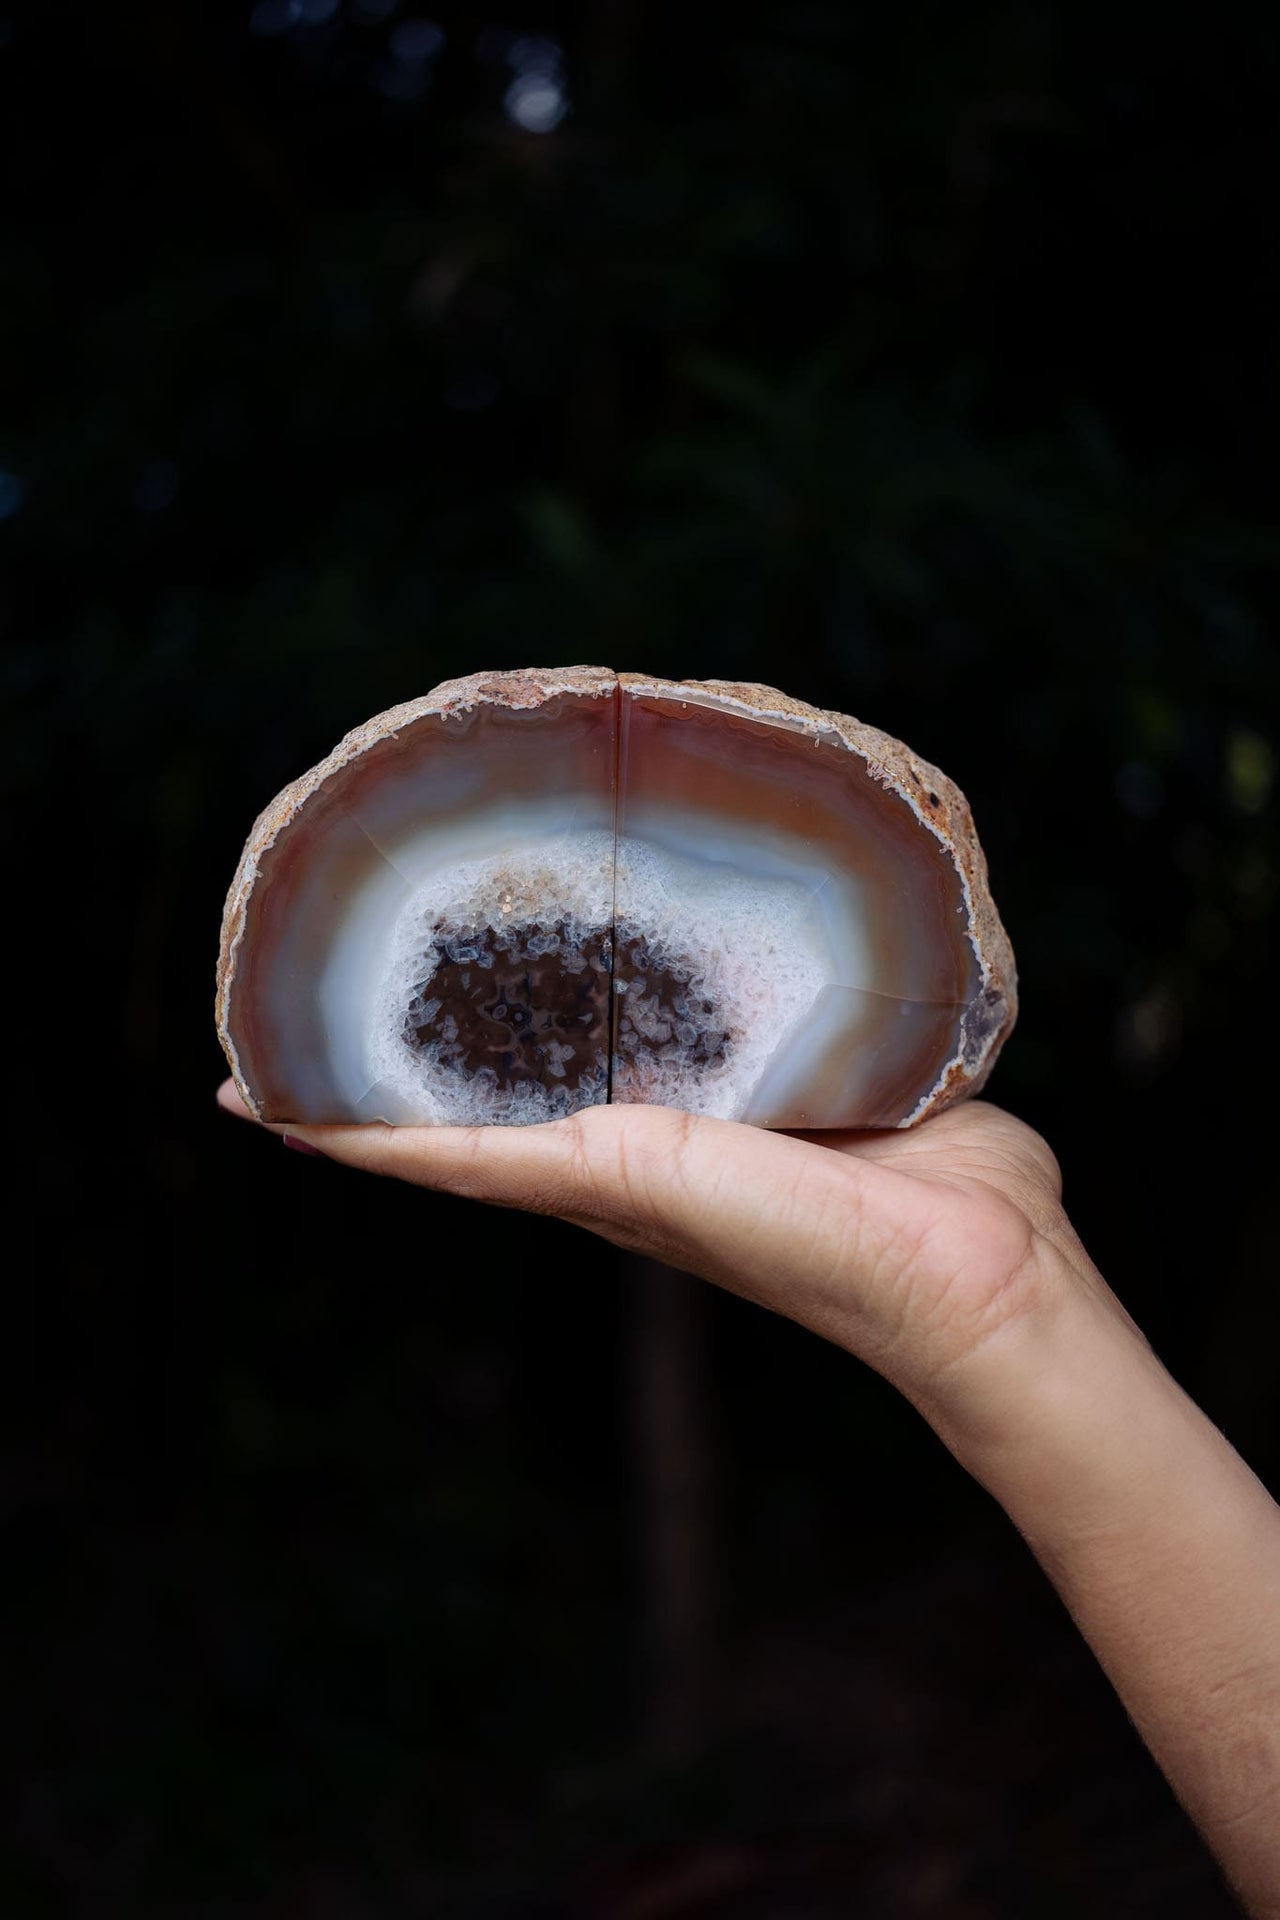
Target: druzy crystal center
(520, 1005)
(513, 987)
(661, 1009)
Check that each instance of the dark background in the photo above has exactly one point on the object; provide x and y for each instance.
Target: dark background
(371, 1554)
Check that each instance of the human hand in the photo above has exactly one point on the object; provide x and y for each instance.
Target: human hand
(918, 1251)
(943, 1257)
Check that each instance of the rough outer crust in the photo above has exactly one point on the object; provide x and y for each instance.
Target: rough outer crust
(935, 800)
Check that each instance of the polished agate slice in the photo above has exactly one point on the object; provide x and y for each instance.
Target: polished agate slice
(528, 893)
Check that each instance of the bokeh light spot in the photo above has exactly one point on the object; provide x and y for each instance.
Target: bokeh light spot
(1251, 769)
(536, 101)
(13, 491)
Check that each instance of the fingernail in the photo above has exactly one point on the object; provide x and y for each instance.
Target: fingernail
(302, 1146)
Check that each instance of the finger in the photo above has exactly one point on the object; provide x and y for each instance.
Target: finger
(604, 1164)
(539, 1168)
(230, 1100)
(791, 1225)
(781, 1222)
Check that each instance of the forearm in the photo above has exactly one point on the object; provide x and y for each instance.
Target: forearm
(941, 1257)
(1166, 1550)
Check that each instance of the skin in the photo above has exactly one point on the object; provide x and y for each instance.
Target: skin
(944, 1259)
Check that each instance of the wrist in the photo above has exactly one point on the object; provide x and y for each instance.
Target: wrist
(1054, 1387)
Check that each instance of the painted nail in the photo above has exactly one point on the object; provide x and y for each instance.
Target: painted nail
(302, 1146)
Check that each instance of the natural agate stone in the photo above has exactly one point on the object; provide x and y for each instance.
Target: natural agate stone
(528, 893)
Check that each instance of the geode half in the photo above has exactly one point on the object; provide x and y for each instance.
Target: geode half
(531, 892)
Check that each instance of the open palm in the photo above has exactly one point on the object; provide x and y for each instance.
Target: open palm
(914, 1250)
